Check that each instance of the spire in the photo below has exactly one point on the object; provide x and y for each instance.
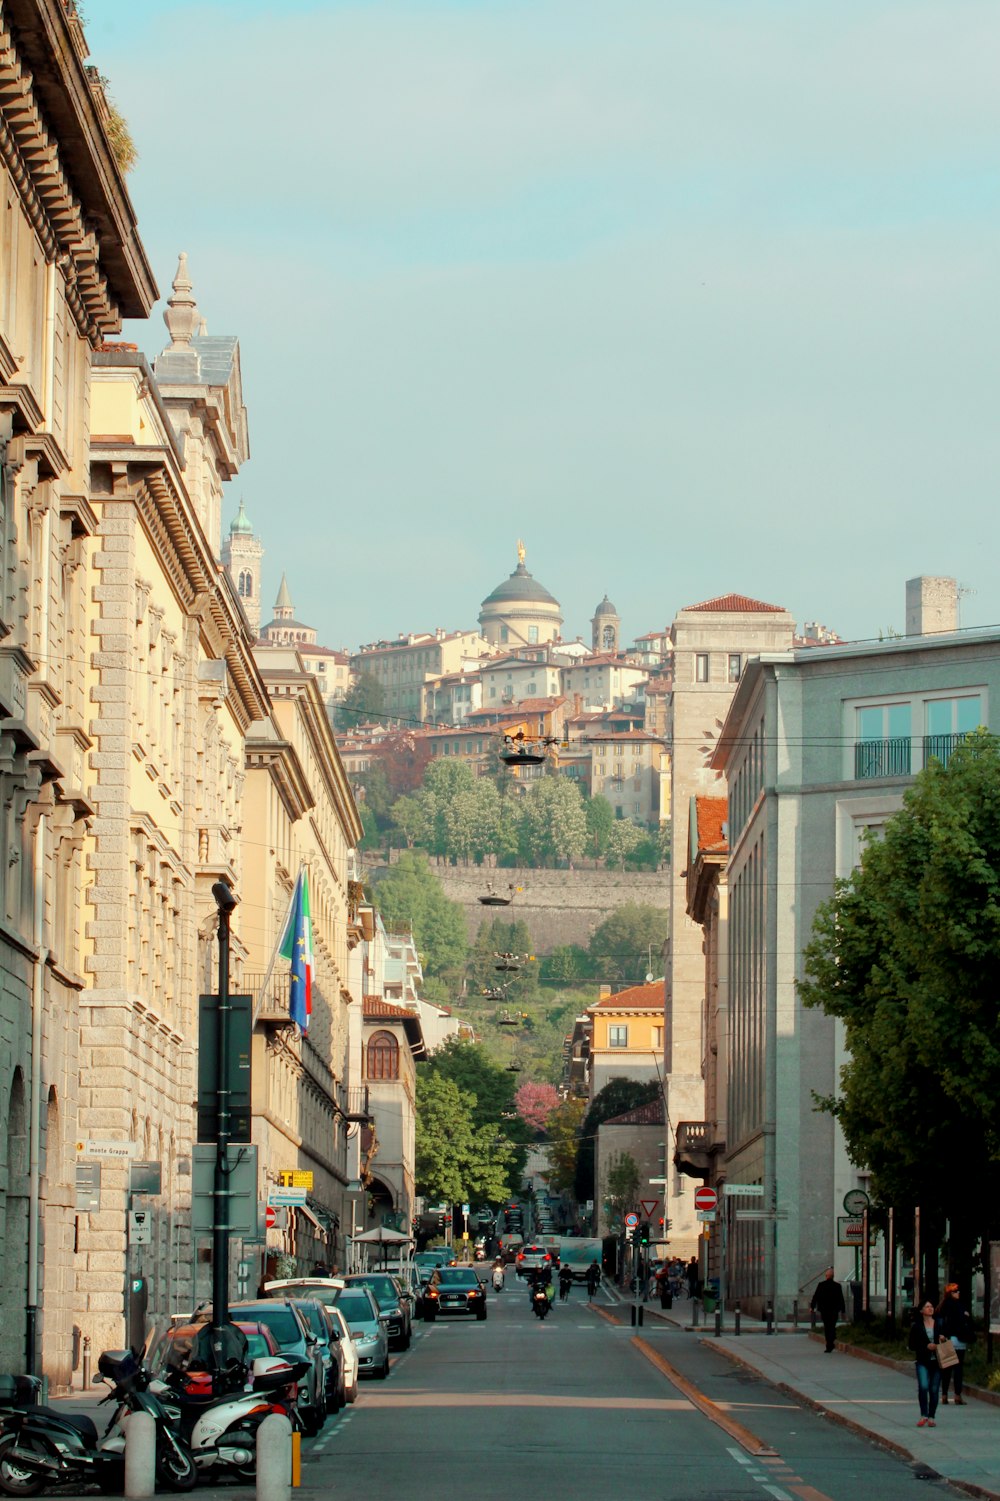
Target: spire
(283, 608)
(181, 314)
(242, 525)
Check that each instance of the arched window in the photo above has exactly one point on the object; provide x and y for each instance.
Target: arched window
(249, 585)
(383, 1056)
(242, 585)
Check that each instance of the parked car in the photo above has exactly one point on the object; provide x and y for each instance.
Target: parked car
(368, 1329)
(428, 1260)
(348, 1349)
(335, 1384)
(297, 1341)
(392, 1301)
(324, 1290)
(454, 1289)
(532, 1258)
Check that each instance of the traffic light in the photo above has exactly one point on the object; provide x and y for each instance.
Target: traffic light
(643, 1233)
(440, 1219)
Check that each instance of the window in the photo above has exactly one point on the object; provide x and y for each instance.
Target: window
(657, 1037)
(735, 665)
(618, 1036)
(383, 1056)
(504, 633)
(532, 633)
(701, 667)
(638, 808)
(949, 720)
(882, 748)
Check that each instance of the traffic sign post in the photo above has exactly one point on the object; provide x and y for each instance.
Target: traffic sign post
(705, 1198)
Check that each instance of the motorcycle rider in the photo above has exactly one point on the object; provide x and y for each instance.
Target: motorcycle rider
(498, 1275)
(565, 1283)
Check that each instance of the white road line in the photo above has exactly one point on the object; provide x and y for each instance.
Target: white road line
(778, 1493)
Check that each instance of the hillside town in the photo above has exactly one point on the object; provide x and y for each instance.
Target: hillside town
(502, 929)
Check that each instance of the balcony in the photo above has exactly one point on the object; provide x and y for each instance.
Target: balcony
(273, 1005)
(941, 747)
(696, 1148)
(884, 758)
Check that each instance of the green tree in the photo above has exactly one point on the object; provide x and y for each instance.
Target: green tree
(564, 1126)
(553, 822)
(566, 965)
(411, 892)
(496, 936)
(410, 818)
(622, 1185)
(624, 838)
(600, 817)
(491, 1088)
(363, 703)
(906, 954)
(456, 1159)
(378, 797)
(615, 1098)
(629, 943)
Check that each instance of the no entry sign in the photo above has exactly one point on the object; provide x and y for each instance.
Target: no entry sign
(705, 1198)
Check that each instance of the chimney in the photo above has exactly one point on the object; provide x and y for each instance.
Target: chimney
(931, 605)
(604, 991)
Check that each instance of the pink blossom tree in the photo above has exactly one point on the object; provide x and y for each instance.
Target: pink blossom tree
(535, 1103)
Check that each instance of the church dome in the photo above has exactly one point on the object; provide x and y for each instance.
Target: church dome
(605, 608)
(521, 587)
(241, 526)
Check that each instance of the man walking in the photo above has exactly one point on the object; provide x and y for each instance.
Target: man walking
(828, 1302)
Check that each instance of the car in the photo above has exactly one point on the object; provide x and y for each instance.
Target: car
(392, 1301)
(531, 1258)
(368, 1329)
(296, 1340)
(428, 1260)
(454, 1289)
(324, 1290)
(335, 1383)
(348, 1350)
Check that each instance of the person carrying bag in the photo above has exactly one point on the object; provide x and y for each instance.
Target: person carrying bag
(956, 1324)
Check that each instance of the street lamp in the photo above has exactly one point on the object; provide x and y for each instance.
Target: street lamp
(226, 902)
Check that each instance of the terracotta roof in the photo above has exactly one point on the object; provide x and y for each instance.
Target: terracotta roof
(737, 604)
(539, 705)
(374, 1005)
(623, 735)
(636, 998)
(643, 1115)
(712, 814)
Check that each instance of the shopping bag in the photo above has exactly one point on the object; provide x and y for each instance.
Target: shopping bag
(946, 1354)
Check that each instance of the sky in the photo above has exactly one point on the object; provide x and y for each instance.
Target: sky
(694, 296)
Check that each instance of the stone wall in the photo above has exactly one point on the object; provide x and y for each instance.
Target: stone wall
(559, 906)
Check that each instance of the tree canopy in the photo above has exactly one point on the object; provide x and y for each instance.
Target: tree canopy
(615, 1098)
(906, 954)
(629, 943)
(457, 1159)
(364, 702)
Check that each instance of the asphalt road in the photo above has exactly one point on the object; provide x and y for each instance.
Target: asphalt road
(572, 1408)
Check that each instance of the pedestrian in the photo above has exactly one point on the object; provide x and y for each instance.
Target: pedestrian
(924, 1335)
(691, 1273)
(828, 1302)
(593, 1277)
(956, 1325)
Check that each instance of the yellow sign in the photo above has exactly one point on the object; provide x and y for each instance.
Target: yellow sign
(295, 1179)
(465, 1234)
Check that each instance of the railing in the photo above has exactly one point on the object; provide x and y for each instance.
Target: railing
(358, 1102)
(941, 747)
(883, 758)
(274, 1005)
(693, 1135)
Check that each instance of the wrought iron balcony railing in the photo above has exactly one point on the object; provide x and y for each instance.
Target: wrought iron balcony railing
(882, 758)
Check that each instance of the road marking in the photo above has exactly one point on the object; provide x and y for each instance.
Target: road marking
(749, 1441)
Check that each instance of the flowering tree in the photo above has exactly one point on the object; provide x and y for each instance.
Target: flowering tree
(535, 1103)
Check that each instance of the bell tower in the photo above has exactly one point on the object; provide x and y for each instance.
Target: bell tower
(242, 553)
(606, 628)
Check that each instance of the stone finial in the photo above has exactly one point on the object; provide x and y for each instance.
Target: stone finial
(181, 313)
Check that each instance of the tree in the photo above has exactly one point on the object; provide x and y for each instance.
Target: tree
(600, 817)
(629, 943)
(624, 837)
(566, 965)
(490, 1088)
(499, 937)
(455, 1159)
(410, 891)
(615, 1098)
(364, 702)
(553, 823)
(409, 815)
(535, 1103)
(565, 1124)
(622, 1185)
(906, 954)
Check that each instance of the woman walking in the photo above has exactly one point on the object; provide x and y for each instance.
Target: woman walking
(924, 1335)
(956, 1325)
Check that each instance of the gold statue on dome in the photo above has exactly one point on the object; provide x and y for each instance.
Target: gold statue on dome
(520, 552)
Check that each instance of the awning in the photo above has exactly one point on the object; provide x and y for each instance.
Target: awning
(304, 1209)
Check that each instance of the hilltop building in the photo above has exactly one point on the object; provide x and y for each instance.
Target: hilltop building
(605, 628)
(242, 556)
(520, 611)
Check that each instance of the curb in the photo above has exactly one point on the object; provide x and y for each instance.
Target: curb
(744, 1436)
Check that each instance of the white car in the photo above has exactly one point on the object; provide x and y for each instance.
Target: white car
(324, 1290)
(350, 1351)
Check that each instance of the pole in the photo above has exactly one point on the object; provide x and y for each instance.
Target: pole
(916, 1257)
(35, 1118)
(890, 1270)
(226, 902)
(866, 1264)
(724, 1248)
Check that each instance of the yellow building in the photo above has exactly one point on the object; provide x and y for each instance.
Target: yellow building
(627, 1037)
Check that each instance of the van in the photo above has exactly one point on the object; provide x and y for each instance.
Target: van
(578, 1253)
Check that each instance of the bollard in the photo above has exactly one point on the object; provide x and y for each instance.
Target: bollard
(86, 1361)
(695, 1306)
(641, 1312)
(795, 1316)
(274, 1459)
(718, 1323)
(140, 1456)
(737, 1316)
(633, 1313)
(769, 1318)
(812, 1321)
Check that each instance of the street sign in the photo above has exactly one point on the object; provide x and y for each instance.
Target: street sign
(140, 1227)
(745, 1190)
(707, 1216)
(296, 1179)
(657, 1182)
(290, 1197)
(88, 1187)
(124, 1150)
(631, 1220)
(241, 1183)
(649, 1207)
(270, 1215)
(705, 1198)
(850, 1230)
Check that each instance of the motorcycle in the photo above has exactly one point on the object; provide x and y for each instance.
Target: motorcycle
(540, 1302)
(40, 1446)
(497, 1279)
(220, 1427)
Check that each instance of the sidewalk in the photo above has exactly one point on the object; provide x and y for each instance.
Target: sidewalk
(880, 1402)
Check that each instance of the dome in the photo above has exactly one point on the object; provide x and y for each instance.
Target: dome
(520, 587)
(242, 526)
(605, 608)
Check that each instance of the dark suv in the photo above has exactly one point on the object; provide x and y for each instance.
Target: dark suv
(393, 1302)
(290, 1328)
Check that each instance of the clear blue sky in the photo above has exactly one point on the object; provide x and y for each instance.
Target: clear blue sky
(692, 295)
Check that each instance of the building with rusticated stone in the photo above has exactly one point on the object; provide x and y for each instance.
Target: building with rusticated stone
(71, 267)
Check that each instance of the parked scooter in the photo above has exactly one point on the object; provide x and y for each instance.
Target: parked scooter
(40, 1446)
(221, 1426)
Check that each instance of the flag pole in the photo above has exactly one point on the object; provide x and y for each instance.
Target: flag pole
(258, 1004)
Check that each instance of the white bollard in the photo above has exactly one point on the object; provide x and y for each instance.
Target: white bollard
(140, 1456)
(274, 1459)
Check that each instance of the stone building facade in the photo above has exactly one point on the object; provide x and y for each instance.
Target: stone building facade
(299, 813)
(71, 267)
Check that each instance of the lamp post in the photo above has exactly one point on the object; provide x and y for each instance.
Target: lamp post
(226, 903)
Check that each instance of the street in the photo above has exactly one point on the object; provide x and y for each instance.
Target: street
(571, 1407)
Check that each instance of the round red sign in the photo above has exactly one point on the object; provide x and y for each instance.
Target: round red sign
(269, 1217)
(705, 1198)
